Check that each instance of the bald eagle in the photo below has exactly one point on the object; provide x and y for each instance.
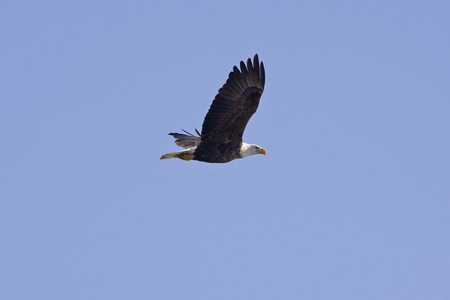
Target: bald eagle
(221, 138)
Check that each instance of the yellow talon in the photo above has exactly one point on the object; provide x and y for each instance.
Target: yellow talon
(186, 156)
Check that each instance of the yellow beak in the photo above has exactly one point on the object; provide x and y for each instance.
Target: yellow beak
(263, 151)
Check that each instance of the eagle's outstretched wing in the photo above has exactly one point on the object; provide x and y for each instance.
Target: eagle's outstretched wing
(233, 106)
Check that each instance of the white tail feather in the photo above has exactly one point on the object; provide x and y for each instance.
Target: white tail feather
(171, 155)
(177, 154)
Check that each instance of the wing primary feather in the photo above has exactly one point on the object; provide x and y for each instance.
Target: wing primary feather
(237, 75)
(235, 85)
(251, 75)
(256, 65)
(263, 75)
(239, 79)
(243, 69)
(188, 132)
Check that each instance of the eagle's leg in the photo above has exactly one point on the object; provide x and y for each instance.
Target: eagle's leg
(186, 156)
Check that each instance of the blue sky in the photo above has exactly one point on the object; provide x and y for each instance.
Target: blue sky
(352, 200)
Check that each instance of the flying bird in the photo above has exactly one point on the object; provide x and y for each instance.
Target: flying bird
(221, 138)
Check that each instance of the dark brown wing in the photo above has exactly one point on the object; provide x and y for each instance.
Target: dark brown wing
(234, 105)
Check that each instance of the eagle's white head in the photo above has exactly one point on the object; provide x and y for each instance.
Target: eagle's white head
(250, 149)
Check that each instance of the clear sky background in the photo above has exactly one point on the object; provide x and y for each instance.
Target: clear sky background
(352, 200)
